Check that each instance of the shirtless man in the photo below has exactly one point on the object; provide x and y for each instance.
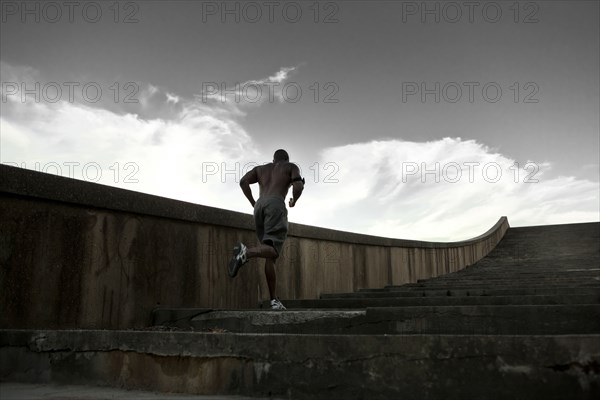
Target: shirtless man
(270, 215)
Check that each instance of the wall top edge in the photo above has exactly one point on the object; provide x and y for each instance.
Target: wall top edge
(47, 187)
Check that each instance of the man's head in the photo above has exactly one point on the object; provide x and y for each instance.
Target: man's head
(281, 156)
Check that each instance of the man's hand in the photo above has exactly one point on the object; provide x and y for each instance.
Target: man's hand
(292, 202)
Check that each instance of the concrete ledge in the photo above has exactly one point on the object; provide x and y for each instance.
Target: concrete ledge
(411, 320)
(311, 366)
(27, 183)
(32, 391)
(473, 292)
(354, 303)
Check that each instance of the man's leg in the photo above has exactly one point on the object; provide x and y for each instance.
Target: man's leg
(271, 276)
(272, 283)
(269, 254)
(262, 251)
(241, 255)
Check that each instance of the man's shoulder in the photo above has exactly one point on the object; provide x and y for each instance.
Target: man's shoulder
(285, 164)
(286, 167)
(263, 166)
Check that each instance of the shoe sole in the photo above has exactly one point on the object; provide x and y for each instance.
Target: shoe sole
(282, 308)
(233, 267)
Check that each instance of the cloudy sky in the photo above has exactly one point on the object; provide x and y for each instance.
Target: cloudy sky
(416, 120)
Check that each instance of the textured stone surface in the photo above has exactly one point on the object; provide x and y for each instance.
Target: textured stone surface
(399, 301)
(33, 391)
(413, 320)
(75, 254)
(538, 281)
(312, 366)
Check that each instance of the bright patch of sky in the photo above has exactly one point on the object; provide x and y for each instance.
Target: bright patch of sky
(184, 101)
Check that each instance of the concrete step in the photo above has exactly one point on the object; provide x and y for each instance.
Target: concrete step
(357, 303)
(292, 321)
(493, 320)
(532, 289)
(49, 391)
(419, 367)
(498, 269)
(508, 282)
(474, 319)
(487, 273)
(299, 321)
(493, 291)
(490, 273)
(518, 286)
(176, 317)
(500, 285)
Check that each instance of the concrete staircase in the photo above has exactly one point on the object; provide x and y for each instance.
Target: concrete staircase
(517, 311)
(538, 281)
(522, 323)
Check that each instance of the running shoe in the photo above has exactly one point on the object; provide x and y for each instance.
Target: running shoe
(238, 259)
(276, 305)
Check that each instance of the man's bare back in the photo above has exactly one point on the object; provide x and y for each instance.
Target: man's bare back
(274, 179)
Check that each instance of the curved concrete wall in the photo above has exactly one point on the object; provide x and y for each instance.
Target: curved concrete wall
(75, 254)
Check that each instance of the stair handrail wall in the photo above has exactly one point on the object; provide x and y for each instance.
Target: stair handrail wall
(76, 254)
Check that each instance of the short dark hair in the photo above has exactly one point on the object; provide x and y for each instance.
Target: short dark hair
(281, 155)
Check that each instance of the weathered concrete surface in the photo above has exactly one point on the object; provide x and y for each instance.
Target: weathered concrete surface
(474, 319)
(32, 391)
(296, 322)
(75, 254)
(493, 320)
(452, 290)
(402, 301)
(312, 366)
(553, 261)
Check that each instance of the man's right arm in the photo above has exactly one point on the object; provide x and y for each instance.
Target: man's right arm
(248, 179)
(297, 185)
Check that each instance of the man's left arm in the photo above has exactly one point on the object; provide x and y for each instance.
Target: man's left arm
(297, 185)
(248, 179)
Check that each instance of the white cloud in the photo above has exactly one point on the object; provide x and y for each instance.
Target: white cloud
(164, 155)
(250, 93)
(197, 152)
(448, 189)
(171, 98)
(280, 76)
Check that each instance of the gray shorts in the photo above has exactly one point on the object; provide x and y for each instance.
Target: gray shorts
(270, 217)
